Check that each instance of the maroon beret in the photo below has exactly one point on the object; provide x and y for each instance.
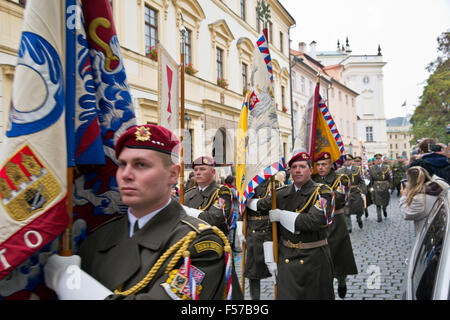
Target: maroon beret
(149, 136)
(301, 156)
(323, 156)
(203, 161)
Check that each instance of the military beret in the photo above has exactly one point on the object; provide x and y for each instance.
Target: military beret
(204, 161)
(301, 156)
(378, 156)
(357, 158)
(349, 157)
(149, 136)
(323, 156)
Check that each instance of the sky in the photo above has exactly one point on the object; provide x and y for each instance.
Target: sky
(406, 30)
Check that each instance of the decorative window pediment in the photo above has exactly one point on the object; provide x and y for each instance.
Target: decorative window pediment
(221, 34)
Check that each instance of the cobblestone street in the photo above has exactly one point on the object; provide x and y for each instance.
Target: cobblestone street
(380, 251)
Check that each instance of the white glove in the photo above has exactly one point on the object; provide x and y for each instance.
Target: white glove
(64, 276)
(239, 236)
(363, 196)
(286, 218)
(270, 261)
(252, 204)
(366, 181)
(191, 211)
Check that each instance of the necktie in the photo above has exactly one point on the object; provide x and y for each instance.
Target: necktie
(136, 227)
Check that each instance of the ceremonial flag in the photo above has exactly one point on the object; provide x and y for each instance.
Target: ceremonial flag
(79, 106)
(241, 151)
(322, 133)
(168, 111)
(264, 156)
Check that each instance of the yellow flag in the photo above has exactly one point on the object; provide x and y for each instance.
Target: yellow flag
(241, 151)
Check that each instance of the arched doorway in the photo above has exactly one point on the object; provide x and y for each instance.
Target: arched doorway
(219, 152)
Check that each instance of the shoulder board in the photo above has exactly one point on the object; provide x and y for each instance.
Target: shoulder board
(196, 224)
(107, 222)
(282, 187)
(192, 188)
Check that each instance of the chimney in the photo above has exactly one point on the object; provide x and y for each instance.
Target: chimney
(347, 47)
(301, 46)
(312, 49)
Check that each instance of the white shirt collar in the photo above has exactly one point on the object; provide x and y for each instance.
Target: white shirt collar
(204, 188)
(143, 220)
(296, 188)
(350, 168)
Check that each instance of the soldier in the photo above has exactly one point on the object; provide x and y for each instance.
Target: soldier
(337, 234)
(258, 230)
(398, 172)
(367, 199)
(140, 255)
(305, 268)
(212, 201)
(380, 182)
(356, 204)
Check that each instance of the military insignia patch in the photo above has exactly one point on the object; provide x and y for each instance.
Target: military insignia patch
(320, 204)
(177, 284)
(143, 134)
(209, 246)
(26, 185)
(219, 203)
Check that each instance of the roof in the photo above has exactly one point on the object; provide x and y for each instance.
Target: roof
(398, 122)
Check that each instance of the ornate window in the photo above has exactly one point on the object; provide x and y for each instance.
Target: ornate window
(151, 28)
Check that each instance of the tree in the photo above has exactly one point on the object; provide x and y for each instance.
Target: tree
(433, 113)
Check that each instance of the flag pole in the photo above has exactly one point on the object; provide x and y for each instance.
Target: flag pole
(65, 246)
(183, 32)
(273, 193)
(244, 232)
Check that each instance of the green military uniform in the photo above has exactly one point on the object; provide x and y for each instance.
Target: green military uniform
(337, 234)
(381, 182)
(305, 267)
(149, 265)
(398, 172)
(258, 230)
(357, 187)
(215, 202)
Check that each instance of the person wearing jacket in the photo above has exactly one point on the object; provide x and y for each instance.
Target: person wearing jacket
(419, 196)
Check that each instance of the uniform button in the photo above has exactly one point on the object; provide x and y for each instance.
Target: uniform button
(253, 231)
(301, 261)
(287, 260)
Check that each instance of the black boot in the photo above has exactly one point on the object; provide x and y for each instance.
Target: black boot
(379, 219)
(255, 289)
(342, 291)
(384, 212)
(366, 212)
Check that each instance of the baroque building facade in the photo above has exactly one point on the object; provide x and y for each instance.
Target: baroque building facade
(364, 74)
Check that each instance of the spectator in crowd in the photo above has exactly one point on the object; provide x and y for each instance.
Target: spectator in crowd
(436, 163)
(419, 196)
(191, 182)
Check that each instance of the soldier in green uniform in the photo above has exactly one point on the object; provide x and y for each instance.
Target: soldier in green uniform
(146, 253)
(258, 230)
(212, 202)
(398, 172)
(380, 182)
(356, 203)
(305, 267)
(337, 234)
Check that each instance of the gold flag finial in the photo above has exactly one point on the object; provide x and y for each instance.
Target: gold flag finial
(318, 77)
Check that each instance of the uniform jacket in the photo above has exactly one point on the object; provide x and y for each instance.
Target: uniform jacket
(215, 202)
(357, 186)
(258, 230)
(118, 261)
(303, 273)
(337, 233)
(381, 182)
